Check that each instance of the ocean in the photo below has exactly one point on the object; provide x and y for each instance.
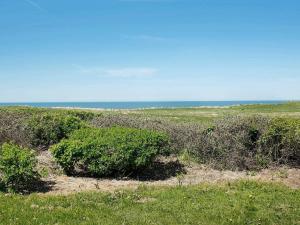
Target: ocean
(138, 105)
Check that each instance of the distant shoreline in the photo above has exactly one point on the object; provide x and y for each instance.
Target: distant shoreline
(140, 105)
(133, 109)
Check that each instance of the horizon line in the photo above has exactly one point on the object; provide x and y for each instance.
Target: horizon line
(137, 101)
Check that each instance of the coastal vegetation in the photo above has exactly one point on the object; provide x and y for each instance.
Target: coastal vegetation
(109, 151)
(123, 144)
(17, 168)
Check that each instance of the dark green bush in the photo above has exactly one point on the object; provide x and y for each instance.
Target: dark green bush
(17, 167)
(281, 141)
(109, 151)
(49, 128)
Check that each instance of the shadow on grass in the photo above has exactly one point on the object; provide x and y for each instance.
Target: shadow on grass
(37, 187)
(42, 186)
(159, 170)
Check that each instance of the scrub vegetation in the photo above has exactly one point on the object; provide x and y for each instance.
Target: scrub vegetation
(118, 144)
(109, 151)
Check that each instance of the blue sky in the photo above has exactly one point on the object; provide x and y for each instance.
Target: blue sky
(124, 50)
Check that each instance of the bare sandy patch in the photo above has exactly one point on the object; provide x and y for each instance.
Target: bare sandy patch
(63, 185)
(166, 172)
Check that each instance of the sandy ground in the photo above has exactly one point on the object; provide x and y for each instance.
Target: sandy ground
(189, 175)
(68, 185)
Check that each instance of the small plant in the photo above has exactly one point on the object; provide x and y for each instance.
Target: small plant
(282, 173)
(17, 167)
(109, 151)
(251, 173)
(186, 157)
(180, 178)
(44, 172)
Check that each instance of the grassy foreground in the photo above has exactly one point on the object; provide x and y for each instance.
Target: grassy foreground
(236, 203)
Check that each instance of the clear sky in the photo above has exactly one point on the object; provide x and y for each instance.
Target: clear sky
(124, 50)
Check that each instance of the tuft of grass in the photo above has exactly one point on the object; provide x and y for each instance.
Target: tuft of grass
(244, 202)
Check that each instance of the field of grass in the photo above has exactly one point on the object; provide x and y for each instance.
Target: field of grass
(206, 115)
(236, 203)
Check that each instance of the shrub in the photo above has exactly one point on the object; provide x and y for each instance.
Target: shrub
(83, 115)
(281, 141)
(12, 126)
(109, 151)
(34, 127)
(49, 128)
(17, 167)
(232, 143)
(249, 142)
(182, 135)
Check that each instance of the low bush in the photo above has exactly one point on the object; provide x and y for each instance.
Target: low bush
(281, 141)
(109, 151)
(49, 128)
(232, 143)
(17, 167)
(249, 142)
(13, 126)
(83, 115)
(182, 135)
(38, 127)
(235, 142)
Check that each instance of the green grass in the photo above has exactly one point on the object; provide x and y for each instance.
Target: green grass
(289, 107)
(208, 115)
(236, 203)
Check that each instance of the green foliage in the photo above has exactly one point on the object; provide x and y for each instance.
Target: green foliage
(83, 115)
(235, 142)
(17, 167)
(109, 151)
(49, 128)
(181, 135)
(281, 141)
